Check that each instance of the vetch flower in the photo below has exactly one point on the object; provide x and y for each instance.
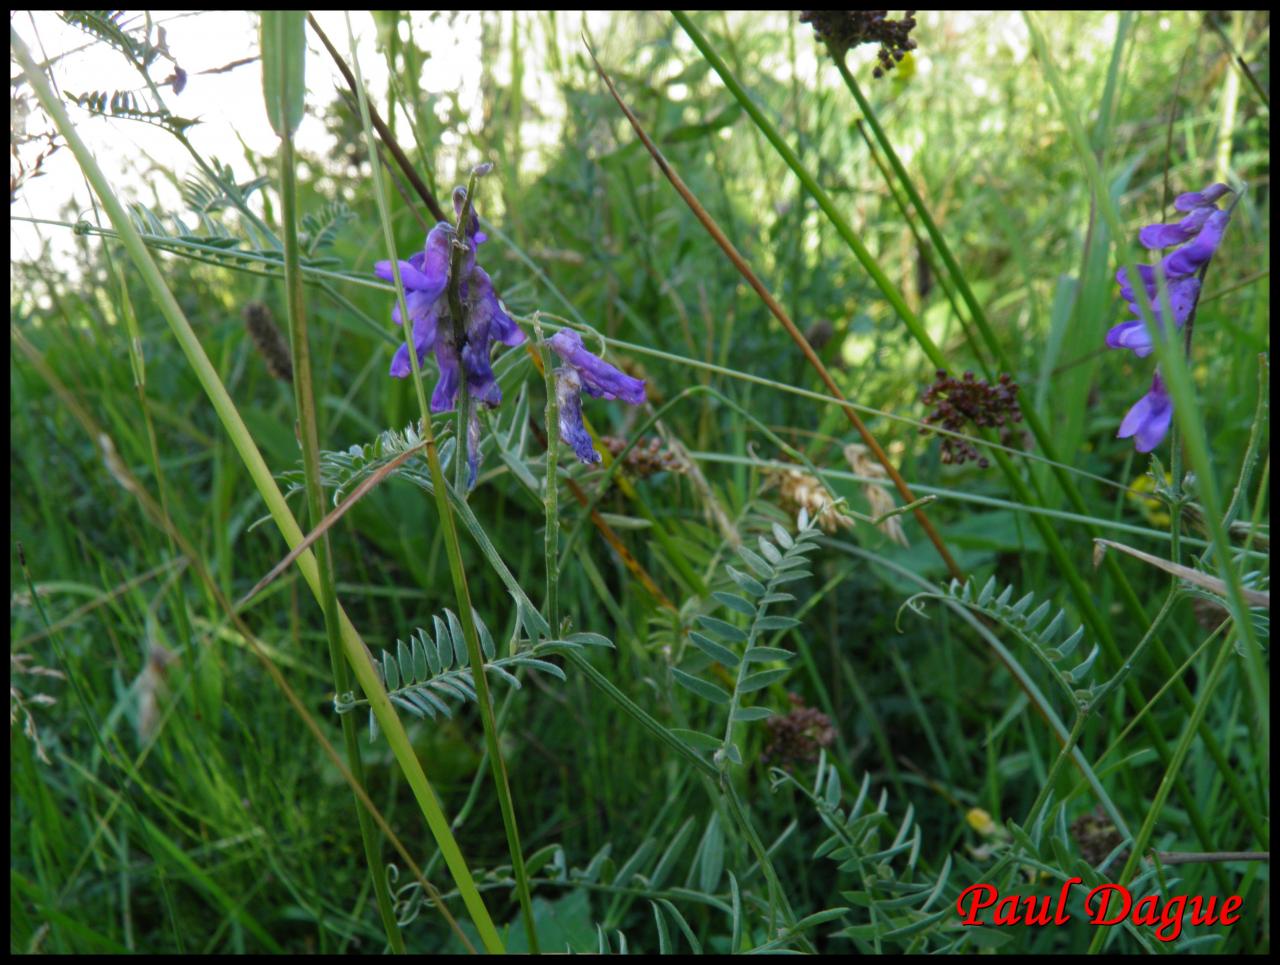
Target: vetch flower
(1198, 235)
(583, 370)
(1148, 420)
(599, 378)
(425, 277)
(569, 402)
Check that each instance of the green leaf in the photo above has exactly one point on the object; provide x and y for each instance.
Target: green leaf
(735, 602)
(777, 623)
(421, 666)
(283, 43)
(722, 629)
(762, 569)
(683, 925)
(777, 598)
(747, 714)
(769, 551)
(711, 856)
(790, 576)
(404, 660)
(761, 654)
(664, 936)
(696, 739)
(700, 687)
(1079, 672)
(819, 918)
(444, 646)
(459, 641)
(390, 672)
(716, 651)
(430, 652)
(590, 639)
(533, 663)
(745, 582)
(762, 679)
(405, 704)
(494, 669)
(1068, 645)
(1037, 616)
(486, 639)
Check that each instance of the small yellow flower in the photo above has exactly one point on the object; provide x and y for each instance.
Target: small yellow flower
(981, 822)
(1153, 509)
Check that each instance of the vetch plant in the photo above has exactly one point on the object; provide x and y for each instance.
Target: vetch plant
(1180, 274)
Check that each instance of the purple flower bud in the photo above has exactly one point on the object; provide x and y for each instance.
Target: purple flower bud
(474, 234)
(1131, 335)
(1196, 199)
(598, 377)
(569, 401)
(1168, 235)
(1190, 259)
(1148, 420)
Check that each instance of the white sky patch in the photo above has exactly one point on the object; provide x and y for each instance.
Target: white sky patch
(142, 161)
(229, 105)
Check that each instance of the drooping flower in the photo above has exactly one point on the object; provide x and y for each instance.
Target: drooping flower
(425, 276)
(599, 378)
(1148, 420)
(583, 370)
(569, 401)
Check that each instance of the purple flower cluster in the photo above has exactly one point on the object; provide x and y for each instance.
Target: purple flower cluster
(1196, 237)
(425, 276)
(462, 350)
(583, 370)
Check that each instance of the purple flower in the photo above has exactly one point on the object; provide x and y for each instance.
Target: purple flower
(572, 431)
(1148, 420)
(474, 234)
(425, 276)
(1196, 238)
(599, 378)
(1198, 235)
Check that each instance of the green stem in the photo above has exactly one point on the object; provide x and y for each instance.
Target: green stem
(551, 497)
(1077, 728)
(1169, 780)
(304, 400)
(453, 548)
